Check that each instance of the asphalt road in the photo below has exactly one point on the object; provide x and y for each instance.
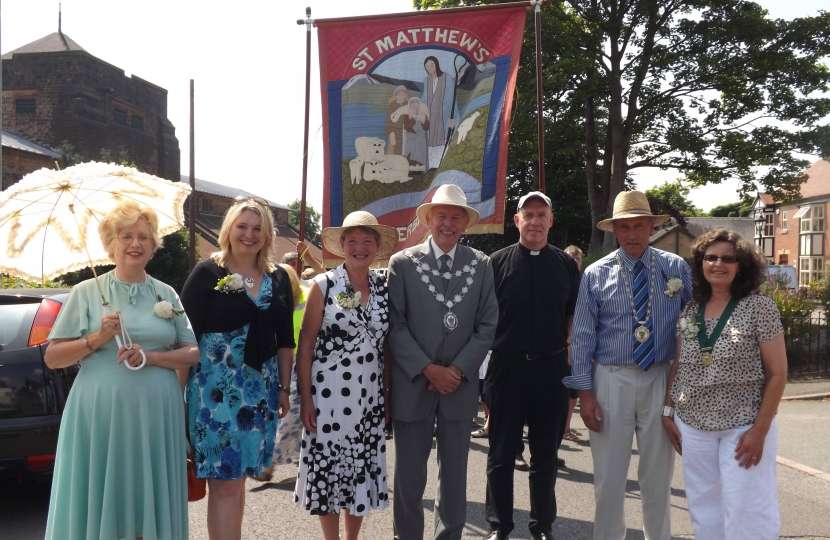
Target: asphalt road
(271, 514)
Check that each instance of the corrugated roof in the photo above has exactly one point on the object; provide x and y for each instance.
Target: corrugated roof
(225, 191)
(56, 42)
(18, 142)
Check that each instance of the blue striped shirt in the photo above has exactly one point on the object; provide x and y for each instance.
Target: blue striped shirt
(604, 321)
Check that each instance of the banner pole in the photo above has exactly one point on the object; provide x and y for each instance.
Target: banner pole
(540, 119)
(191, 222)
(307, 22)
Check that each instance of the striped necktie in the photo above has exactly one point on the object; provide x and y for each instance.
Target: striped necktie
(643, 352)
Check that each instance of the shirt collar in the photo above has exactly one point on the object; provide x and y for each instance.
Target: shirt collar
(438, 251)
(629, 261)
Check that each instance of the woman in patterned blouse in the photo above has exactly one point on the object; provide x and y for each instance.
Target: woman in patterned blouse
(726, 384)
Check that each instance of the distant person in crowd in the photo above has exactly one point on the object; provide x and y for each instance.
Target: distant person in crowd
(308, 274)
(340, 372)
(536, 285)
(725, 385)
(571, 434)
(120, 463)
(241, 309)
(628, 306)
(290, 427)
(444, 314)
(296, 260)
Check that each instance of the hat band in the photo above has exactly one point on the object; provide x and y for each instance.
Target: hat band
(636, 212)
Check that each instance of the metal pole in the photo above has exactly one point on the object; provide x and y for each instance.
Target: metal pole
(307, 22)
(540, 115)
(1, 122)
(191, 249)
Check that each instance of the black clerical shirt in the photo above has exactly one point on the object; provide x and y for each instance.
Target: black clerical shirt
(537, 293)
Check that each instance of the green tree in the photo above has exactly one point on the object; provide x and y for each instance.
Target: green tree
(312, 220)
(741, 208)
(699, 86)
(677, 195)
(68, 155)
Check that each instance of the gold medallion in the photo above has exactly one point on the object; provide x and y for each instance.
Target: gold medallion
(641, 333)
(706, 358)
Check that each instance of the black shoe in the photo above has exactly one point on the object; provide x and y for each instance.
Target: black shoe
(496, 535)
(542, 536)
(560, 463)
(521, 464)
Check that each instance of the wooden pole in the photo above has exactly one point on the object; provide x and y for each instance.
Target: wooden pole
(307, 22)
(191, 248)
(540, 115)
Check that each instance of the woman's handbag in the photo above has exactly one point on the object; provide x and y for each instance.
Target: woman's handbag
(196, 487)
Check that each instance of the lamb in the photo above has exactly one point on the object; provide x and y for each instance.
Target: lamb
(466, 126)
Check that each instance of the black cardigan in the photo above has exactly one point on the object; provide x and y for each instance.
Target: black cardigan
(212, 311)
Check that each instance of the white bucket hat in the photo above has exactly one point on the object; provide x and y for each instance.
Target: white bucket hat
(448, 194)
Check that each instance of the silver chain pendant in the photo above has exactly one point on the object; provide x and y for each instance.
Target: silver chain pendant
(450, 320)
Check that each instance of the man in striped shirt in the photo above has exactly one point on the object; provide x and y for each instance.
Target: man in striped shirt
(628, 305)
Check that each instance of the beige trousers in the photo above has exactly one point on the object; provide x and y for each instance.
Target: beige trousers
(631, 401)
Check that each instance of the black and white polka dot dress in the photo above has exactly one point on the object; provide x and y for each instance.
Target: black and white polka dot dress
(343, 465)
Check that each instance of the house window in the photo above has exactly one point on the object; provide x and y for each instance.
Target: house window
(25, 106)
(812, 218)
(207, 205)
(137, 122)
(784, 221)
(783, 259)
(119, 116)
(810, 269)
(769, 227)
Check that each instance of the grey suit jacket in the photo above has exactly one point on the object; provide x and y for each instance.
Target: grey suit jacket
(417, 336)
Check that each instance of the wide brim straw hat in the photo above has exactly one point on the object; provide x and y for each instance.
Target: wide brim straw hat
(452, 195)
(388, 235)
(630, 204)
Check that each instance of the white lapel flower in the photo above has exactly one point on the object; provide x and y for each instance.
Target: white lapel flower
(164, 309)
(687, 328)
(229, 283)
(673, 286)
(349, 299)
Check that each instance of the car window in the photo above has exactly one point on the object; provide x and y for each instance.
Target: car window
(13, 334)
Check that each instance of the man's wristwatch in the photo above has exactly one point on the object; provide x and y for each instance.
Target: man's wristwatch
(668, 411)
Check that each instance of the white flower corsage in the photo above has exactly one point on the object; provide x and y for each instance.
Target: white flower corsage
(673, 286)
(230, 283)
(687, 328)
(349, 299)
(164, 309)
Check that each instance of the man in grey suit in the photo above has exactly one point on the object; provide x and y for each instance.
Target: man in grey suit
(443, 318)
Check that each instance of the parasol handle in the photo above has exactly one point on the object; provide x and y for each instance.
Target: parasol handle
(127, 340)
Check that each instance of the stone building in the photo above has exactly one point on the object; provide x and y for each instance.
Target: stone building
(22, 156)
(55, 91)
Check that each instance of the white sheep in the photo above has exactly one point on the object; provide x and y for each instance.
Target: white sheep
(355, 167)
(466, 126)
(369, 147)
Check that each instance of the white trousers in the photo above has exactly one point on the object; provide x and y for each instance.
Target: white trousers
(728, 502)
(631, 401)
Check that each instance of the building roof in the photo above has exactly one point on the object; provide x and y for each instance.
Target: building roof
(18, 142)
(55, 42)
(695, 226)
(818, 183)
(766, 198)
(226, 191)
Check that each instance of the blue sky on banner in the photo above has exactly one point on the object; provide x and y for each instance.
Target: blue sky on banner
(248, 60)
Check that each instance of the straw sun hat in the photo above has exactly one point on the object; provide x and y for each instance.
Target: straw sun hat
(452, 195)
(388, 235)
(630, 204)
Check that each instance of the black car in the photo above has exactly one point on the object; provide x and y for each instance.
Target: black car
(32, 396)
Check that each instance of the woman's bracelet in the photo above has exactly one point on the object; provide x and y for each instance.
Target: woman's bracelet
(87, 345)
(281, 388)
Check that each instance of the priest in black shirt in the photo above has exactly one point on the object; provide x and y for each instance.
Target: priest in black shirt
(536, 286)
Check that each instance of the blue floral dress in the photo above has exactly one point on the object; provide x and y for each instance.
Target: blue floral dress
(231, 406)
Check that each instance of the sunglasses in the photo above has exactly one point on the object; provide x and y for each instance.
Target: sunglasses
(727, 259)
(245, 199)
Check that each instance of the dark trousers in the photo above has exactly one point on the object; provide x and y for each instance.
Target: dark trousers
(518, 391)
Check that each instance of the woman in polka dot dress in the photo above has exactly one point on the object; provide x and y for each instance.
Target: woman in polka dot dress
(340, 374)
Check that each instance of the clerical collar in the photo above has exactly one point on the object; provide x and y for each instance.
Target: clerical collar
(528, 250)
(438, 251)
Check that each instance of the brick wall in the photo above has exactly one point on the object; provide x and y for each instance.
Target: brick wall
(786, 243)
(76, 96)
(17, 164)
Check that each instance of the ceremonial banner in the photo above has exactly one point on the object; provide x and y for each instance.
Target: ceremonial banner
(415, 100)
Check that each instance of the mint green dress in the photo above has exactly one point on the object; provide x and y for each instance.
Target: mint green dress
(120, 465)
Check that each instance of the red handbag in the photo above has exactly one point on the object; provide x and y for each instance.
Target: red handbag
(196, 487)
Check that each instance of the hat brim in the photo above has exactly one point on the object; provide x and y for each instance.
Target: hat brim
(608, 224)
(423, 210)
(330, 238)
